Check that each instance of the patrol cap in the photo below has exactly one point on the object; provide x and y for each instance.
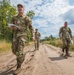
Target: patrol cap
(19, 5)
(36, 29)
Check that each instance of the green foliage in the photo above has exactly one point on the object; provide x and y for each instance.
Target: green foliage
(51, 37)
(58, 43)
(30, 14)
(28, 35)
(4, 46)
(6, 13)
(52, 43)
(72, 46)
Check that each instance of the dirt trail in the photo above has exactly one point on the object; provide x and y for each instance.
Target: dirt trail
(45, 61)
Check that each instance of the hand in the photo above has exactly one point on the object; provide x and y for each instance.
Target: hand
(33, 39)
(11, 27)
(60, 38)
(71, 38)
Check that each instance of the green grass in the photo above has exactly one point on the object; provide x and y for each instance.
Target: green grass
(72, 46)
(4, 46)
(58, 43)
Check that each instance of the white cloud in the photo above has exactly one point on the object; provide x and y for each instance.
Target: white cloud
(15, 2)
(47, 14)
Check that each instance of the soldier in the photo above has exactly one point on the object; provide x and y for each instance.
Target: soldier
(20, 34)
(66, 35)
(37, 39)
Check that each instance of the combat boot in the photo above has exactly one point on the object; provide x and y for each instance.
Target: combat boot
(17, 71)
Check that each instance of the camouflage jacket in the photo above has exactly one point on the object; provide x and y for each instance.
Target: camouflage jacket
(37, 35)
(65, 32)
(23, 22)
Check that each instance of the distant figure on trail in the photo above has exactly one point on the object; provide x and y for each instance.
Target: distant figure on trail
(65, 34)
(37, 39)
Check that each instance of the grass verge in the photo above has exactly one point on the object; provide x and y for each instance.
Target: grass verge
(58, 43)
(4, 46)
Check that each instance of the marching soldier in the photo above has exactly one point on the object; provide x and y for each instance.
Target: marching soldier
(37, 39)
(20, 34)
(66, 35)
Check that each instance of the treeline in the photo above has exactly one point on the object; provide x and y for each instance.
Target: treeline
(6, 13)
(49, 38)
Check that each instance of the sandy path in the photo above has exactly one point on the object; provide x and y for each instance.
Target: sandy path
(45, 61)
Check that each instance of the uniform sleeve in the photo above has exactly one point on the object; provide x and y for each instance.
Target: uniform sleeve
(15, 29)
(70, 32)
(13, 21)
(60, 31)
(39, 34)
(29, 25)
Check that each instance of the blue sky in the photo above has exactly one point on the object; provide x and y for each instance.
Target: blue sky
(50, 15)
(71, 2)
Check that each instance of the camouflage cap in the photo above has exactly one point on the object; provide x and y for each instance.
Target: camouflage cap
(36, 29)
(19, 5)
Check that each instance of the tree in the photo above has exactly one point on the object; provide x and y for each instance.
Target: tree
(46, 38)
(52, 37)
(31, 15)
(6, 13)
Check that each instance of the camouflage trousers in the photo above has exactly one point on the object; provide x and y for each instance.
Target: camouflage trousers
(66, 45)
(17, 49)
(37, 44)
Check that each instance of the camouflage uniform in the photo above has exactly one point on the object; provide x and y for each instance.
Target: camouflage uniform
(66, 34)
(19, 36)
(37, 40)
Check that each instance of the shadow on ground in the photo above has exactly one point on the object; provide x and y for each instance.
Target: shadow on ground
(8, 71)
(57, 58)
